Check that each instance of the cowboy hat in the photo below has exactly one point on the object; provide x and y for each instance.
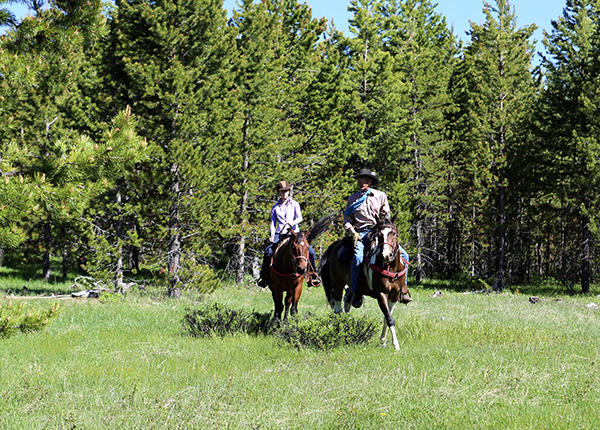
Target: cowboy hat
(283, 186)
(367, 174)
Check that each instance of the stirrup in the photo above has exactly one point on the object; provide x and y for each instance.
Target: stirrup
(314, 280)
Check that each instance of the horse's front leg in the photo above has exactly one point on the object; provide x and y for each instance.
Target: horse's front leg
(388, 320)
(295, 297)
(278, 301)
(290, 304)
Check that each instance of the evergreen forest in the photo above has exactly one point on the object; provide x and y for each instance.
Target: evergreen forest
(144, 139)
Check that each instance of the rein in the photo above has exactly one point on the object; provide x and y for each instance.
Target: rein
(385, 272)
(394, 275)
(292, 275)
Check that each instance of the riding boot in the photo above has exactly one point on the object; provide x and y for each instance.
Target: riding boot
(265, 270)
(355, 272)
(313, 278)
(405, 297)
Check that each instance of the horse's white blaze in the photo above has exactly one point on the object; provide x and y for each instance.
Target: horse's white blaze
(302, 243)
(387, 251)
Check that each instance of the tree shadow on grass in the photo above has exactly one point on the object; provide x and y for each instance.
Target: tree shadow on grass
(27, 280)
(537, 287)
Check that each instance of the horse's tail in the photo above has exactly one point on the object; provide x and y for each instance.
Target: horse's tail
(320, 226)
(326, 273)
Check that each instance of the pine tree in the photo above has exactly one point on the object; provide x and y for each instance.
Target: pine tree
(63, 166)
(423, 49)
(20, 319)
(262, 142)
(165, 54)
(497, 89)
(568, 109)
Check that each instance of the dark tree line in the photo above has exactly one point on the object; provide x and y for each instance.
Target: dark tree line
(148, 138)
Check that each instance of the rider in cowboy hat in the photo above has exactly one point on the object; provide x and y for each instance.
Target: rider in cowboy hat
(285, 214)
(363, 209)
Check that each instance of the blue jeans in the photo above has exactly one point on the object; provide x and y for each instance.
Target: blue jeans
(357, 259)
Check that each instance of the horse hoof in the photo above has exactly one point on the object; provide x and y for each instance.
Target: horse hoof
(357, 301)
(405, 299)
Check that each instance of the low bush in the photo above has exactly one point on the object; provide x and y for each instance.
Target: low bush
(218, 319)
(310, 331)
(327, 331)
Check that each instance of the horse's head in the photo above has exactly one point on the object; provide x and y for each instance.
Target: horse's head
(385, 236)
(299, 248)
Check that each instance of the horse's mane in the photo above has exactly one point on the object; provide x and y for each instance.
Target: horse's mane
(320, 226)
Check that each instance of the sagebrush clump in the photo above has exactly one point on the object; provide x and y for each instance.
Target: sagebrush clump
(308, 330)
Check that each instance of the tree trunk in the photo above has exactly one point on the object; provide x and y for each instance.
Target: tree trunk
(119, 265)
(46, 257)
(451, 247)
(472, 262)
(585, 263)
(175, 238)
(65, 265)
(419, 263)
(135, 258)
(501, 233)
(241, 252)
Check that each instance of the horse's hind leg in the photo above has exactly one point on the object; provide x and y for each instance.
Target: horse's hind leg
(388, 320)
(338, 299)
(347, 304)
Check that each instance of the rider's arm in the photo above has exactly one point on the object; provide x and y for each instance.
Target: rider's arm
(348, 223)
(296, 215)
(273, 223)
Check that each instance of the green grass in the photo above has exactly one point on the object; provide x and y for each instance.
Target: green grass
(466, 361)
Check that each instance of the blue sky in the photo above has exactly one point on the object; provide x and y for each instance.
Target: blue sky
(457, 12)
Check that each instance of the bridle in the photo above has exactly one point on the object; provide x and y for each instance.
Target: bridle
(386, 272)
(295, 258)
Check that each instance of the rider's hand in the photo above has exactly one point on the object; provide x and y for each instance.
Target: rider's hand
(272, 239)
(355, 238)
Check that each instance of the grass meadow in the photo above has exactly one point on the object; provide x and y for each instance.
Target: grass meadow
(467, 361)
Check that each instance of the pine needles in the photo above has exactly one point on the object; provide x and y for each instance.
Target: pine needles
(15, 319)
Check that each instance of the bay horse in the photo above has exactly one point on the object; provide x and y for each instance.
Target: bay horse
(289, 266)
(383, 276)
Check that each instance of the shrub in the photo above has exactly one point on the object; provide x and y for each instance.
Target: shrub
(312, 331)
(15, 319)
(327, 331)
(217, 319)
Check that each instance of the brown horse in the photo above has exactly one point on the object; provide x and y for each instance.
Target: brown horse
(383, 278)
(289, 266)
